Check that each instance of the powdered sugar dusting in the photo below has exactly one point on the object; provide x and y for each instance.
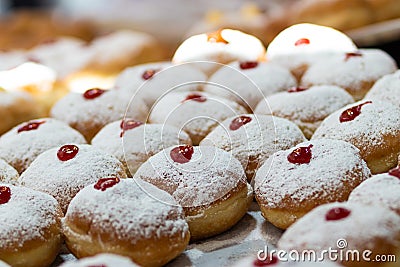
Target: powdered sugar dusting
(64, 179)
(335, 165)
(7, 173)
(387, 89)
(26, 216)
(102, 260)
(207, 177)
(130, 210)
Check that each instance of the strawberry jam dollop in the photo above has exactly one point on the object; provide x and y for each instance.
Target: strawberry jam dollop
(216, 37)
(5, 194)
(266, 262)
(352, 54)
(182, 154)
(93, 93)
(395, 172)
(337, 214)
(352, 113)
(300, 155)
(248, 65)
(297, 89)
(239, 122)
(33, 125)
(148, 74)
(129, 124)
(195, 97)
(104, 183)
(67, 152)
(302, 41)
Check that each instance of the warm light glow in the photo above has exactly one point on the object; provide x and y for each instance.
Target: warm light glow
(28, 76)
(81, 83)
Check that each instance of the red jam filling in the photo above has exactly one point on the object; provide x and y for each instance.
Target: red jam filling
(300, 155)
(129, 124)
(352, 113)
(182, 154)
(148, 74)
(5, 194)
(337, 214)
(297, 89)
(216, 37)
(239, 122)
(268, 261)
(395, 172)
(104, 183)
(352, 54)
(30, 126)
(195, 97)
(93, 93)
(248, 65)
(67, 152)
(302, 41)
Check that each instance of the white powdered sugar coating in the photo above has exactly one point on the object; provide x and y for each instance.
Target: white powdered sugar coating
(208, 176)
(352, 73)
(168, 77)
(376, 120)
(306, 107)
(129, 211)
(26, 216)
(3, 264)
(64, 179)
(387, 89)
(90, 115)
(382, 190)
(360, 229)
(138, 144)
(196, 118)
(256, 140)
(104, 259)
(250, 85)
(7, 173)
(20, 149)
(335, 166)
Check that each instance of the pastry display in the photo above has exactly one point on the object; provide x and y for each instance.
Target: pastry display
(63, 171)
(293, 182)
(386, 89)
(22, 144)
(104, 259)
(253, 138)
(8, 174)
(127, 217)
(30, 227)
(306, 107)
(207, 181)
(133, 142)
(372, 126)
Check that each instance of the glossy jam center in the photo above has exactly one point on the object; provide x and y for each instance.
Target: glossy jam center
(395, 172)
(129, 124)
(337, 214)
(248, 65)
(300, 155)
(182, 154)
(67, 152)
(352, 54)
(352, 113)
(239, 122)
(195, 97)
(104, 183)
(267, 262)
(297, 89)
(30, 126)
(5, 194)
(148, 74)
(216, 37)
(302, 41)
(93, 93)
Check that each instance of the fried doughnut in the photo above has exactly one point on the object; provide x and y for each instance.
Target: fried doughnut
(7, 173)
(103, 259)
(387, 89)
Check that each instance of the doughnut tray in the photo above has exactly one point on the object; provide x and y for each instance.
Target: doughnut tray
(251, 234)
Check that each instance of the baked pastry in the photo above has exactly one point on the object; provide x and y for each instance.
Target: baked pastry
(220, 47)
(247, 82)
(127, 217)
(372, 126)
(197, 113)
(345, 227)
(133, 142)
(103, 259)
(151, 81)
(253, 138)
(302, 45)
(30, 228)
(306, 107)
(381, 189)
(386, 89)
(356, 72)
(92, 110)
(206, 181)
(23, 143)
(8, 174)
(63, 171)
(294, 181)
